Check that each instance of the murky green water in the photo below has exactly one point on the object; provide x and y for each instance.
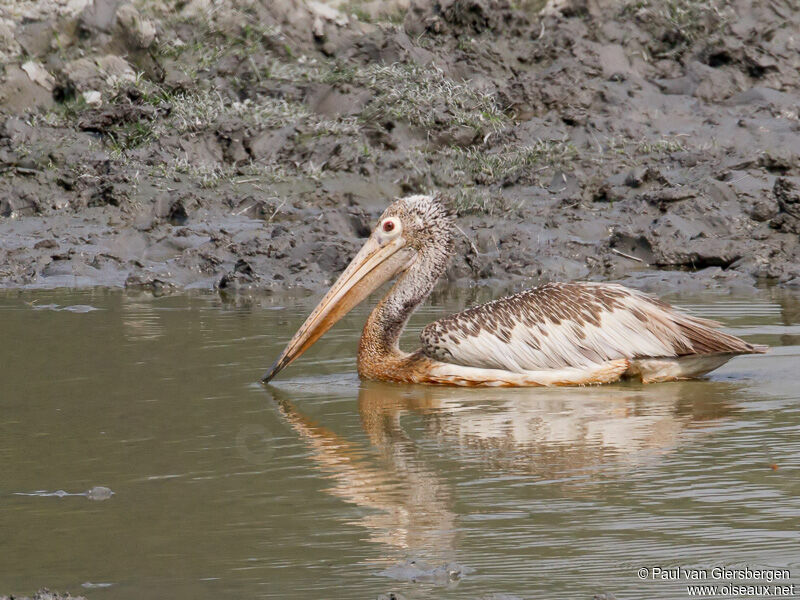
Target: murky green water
(326, 487)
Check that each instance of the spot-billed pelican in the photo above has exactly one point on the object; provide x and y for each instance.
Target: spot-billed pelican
(555, 334)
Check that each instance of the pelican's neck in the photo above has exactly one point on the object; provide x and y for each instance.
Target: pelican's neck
(379, 341)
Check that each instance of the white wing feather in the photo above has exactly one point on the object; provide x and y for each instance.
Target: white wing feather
(571, 325)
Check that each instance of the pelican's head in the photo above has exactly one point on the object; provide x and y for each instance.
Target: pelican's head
(412, 227)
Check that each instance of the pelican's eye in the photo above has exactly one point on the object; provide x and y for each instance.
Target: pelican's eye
(390, 227)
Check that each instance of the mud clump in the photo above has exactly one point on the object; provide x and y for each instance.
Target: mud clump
(460, 17)
(417, 571)
(787, 192)
(253, 145)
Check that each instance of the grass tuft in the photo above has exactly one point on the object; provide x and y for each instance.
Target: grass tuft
(509, 161)
(676, 24)
(420, 95)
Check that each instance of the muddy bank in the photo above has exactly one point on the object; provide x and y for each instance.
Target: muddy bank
(44, 594)
(247, 144)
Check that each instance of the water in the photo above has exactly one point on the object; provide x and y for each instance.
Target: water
(322, 486)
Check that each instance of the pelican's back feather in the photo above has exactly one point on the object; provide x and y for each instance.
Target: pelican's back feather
(573, 325)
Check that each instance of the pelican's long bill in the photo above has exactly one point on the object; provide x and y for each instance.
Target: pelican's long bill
(376, 263)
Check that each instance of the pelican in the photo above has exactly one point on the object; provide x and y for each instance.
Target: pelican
(554, 334)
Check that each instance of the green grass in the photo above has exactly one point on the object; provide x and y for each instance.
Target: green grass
(662, 146)
(420, 95)
(472, 200)
(634, 150)
(424, 96)
(679, 23)
(509, 161)
(205, 109)
(470, 177)
(387, 12)
(130, 135)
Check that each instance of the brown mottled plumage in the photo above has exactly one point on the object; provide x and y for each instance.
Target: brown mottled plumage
(555, 334)
(589, 314)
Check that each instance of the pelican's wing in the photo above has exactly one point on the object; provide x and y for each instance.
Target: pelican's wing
(572, 325)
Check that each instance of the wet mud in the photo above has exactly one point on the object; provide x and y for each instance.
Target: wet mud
(251, 144)
(44, 594)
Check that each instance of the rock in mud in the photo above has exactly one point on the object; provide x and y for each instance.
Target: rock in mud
(85, 74)
(149, 283)
(419, 571)
(99, 493)
(39, 75)
(20, 93)
(140, 32)
(172, 210)
(241, 276)
(99, 16)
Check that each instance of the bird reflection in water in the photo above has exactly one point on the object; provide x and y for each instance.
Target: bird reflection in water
(413, 505)
(561, 435)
